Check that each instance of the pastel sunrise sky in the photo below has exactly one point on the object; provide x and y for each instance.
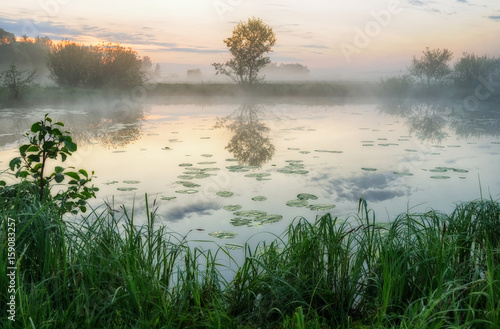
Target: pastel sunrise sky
(335, 39)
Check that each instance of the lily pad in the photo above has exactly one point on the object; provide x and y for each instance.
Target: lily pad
(126, 189)
(231, 207)
(369, 169)
(237, 168)
(188, 191)
(111, 182)
(439, 169)
(132, 182)
(250, 213)
(304, 152)
(321, 207)
(306, 196)
(168, 198)
(188, 184)
(292, 171)
(223, 234)
(185, 177)
(259, 198)
(238, 221)
(258, 175)
(207, 155)
(207, 162)
(440, 177)
(269, 219)
(185, 165)
(201, 176)
(225, 194)
(326, 151)
(411, 150)
(297, 203)
(293, 149)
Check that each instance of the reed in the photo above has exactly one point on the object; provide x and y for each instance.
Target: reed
(430, 270)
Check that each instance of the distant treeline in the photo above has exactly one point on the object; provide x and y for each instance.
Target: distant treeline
(475, 77)
(71, 64)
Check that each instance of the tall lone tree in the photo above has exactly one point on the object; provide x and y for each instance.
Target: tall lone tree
(432, 67)
(249, 43)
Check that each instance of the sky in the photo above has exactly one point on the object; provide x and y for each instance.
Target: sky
(337, 40)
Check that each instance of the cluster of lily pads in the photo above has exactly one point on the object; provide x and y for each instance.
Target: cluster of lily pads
(444, 170)
(303, 201)
(194, 173)
(294, 167)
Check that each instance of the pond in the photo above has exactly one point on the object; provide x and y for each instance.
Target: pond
(229, 172)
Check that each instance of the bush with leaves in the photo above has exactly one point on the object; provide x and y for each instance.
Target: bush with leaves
(47, 141)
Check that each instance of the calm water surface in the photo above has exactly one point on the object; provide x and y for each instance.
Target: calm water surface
(240, 168)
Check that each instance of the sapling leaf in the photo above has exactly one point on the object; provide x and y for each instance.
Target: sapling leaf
(15, 163)
(36, 127)
(73, 175)
(34, 158)
(58, 169)
(33, 148)
(58, 177)
(23, 174)
(70, 145)
(23, 149)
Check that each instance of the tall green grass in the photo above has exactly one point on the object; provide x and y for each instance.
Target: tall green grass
(429, 270)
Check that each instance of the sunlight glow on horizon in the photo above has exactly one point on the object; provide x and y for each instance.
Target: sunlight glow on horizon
(172, 32)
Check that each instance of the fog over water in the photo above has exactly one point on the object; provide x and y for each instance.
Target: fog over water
(262, 155)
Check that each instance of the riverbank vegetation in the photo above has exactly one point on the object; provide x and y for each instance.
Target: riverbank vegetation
(102, 271)
(47, 74)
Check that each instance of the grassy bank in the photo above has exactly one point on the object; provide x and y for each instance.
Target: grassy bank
(426, 270)
(310, 91)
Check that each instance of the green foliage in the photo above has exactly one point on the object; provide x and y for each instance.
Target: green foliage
(248, 44)
(74, 65)
(427, 270)
(432, 67)
(16, 80)
(396, 86)
(104, 65)
(470, 68)
(47, 141)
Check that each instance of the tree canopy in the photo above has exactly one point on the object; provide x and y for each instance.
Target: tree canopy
(250, 41)
(104, 65)
(432, 67)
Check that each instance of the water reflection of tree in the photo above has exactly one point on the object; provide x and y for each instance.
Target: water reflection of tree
(120, 126)
(249, 143)
(111, 125)
(429, 121)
